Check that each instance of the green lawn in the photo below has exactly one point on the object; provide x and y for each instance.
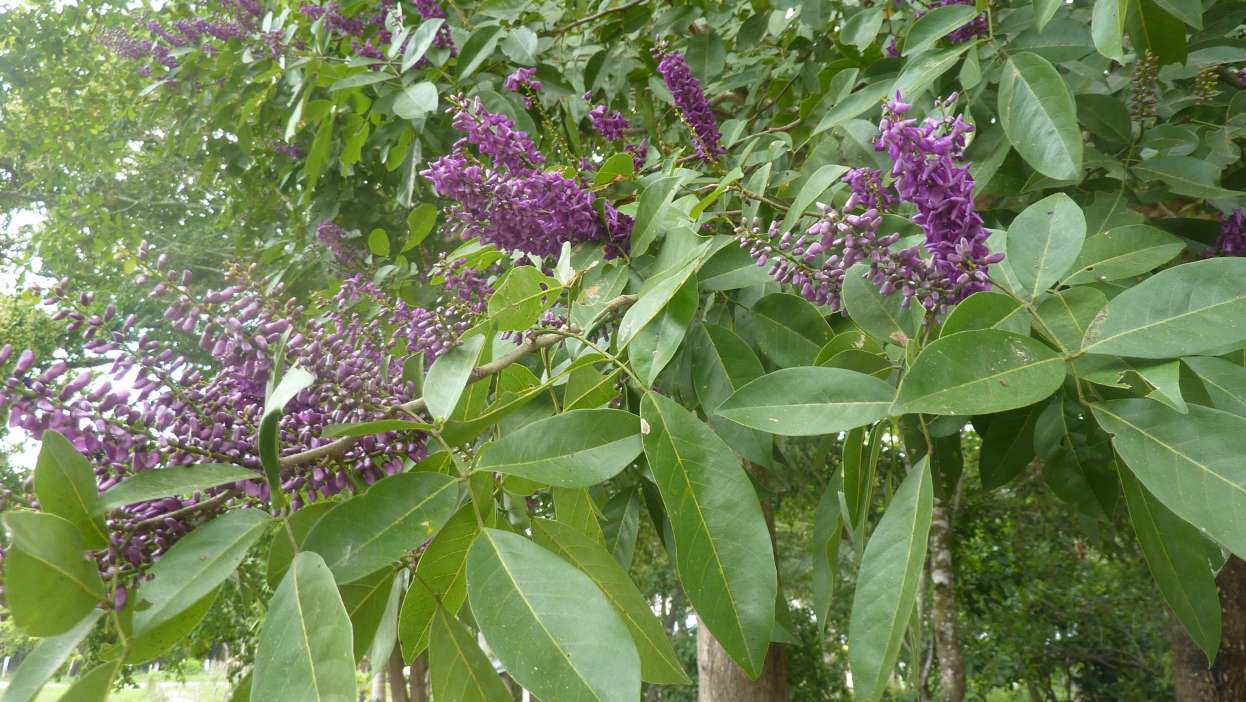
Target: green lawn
(157, 687)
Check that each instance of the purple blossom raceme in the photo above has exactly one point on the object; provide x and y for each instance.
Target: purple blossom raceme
(693, 106)
(925, 174)
(929, 174)
(508, 200)
(610, 125)
(1232, 239)
(891, 49)
(332, 237)
(523, 81)
(148, 406)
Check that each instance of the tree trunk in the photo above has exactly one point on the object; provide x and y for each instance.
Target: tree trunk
(719, 679)
(397, 683)
(945, 610)
(1226, 680)
(419, 670)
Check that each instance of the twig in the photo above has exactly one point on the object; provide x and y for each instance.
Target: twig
(585, 20)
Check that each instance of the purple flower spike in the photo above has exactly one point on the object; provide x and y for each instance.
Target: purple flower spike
(693, 106)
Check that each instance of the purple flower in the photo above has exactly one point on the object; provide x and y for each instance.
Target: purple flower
(430, 9)
(693, 106)
(1232, 239)
(522, 82)
(333, 238)
(511, 202)
(976, 27)
(890, 49)
(609, 125)
(289, 150)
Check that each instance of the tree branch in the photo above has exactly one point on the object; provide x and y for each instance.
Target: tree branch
(585, 20)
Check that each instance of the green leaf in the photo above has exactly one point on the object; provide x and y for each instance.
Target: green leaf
(38, 667)
(1043, 242)
(654, 346)
(64, 484)
(1181, 311)
(292, 383)
(827, 533)
(1007, 446)
(1180, 559)
(1044, 10)
(419, 42)
(576, 508)
(705, 55)
(46, 563)
(722, 546)
(1039, 117)
(304, 651)
(1188, 11)
(520, 298)
(881, 316)
(372, 530)
(521, 46)
(723, 363)
(289, 539)
(861, 28)
(156, 641)
(439, 581)
(357, 80)
(376, 426)
(449, 374)
(195, 565)
(477, 49)
(651, 300)
(987, 310)
(618, 167)
(322, 144)
(457, 668)
(1066, 315)
(936, 24)
(416, 100)
(655, 199)
(621, 517)
(811, 191)
(1106, 117)
(1161, 381)
(1224, 381)
(420, 223)
(574, 449)
(658, 661)
(1185, 175)
(1150, 28)
(93, 685)
(378, 243)
(789, 329)
(887, 584)
(365, 601)
(808, 401)
(1189, 462)
(1076, 458)
(979, 372)
(1107, 28)
(165, 482)
(519, 594)
(1123, 252)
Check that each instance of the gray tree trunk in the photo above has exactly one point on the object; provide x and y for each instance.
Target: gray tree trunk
(397, 683)
(945, 609)
(418, 686)
(1226, 680)
(719, 679)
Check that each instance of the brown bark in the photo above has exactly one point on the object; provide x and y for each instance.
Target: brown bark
(418, 688)
(945, 610)
(1226, 680)
(719, 679)
(397, 682)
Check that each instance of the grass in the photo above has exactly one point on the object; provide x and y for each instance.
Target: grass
(156, 687)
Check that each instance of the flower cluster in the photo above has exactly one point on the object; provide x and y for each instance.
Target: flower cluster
(294, 151)
(505, 197)
(694, 108)
(236, 21)
(1232, 239)
(611, 125)
(925, 174)
(137, 404)
(332, 237)
(1142, 83)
